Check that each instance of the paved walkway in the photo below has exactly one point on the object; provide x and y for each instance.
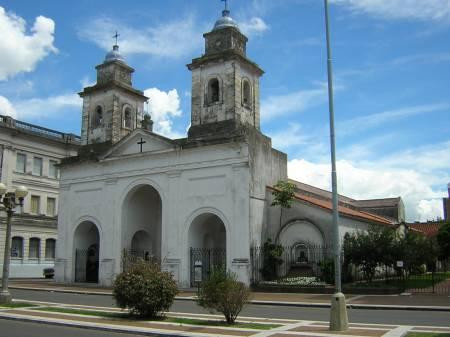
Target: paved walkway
(89, 317)
(422, 301)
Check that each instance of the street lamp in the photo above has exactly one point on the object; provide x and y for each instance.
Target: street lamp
(10, 200)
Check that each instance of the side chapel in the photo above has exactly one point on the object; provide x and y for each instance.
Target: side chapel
(132, 191)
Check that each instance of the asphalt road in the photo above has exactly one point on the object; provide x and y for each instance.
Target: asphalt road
(11, 328)
(404, 317)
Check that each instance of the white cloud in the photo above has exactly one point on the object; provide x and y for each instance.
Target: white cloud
(6, 108)
(287, 138)
(19, 51)
(173, 39)
(163, 106)
(371, 180)
(370, 121)
(426, 158)
(87, 82)
(255, 26)
(42, 108)
(276, 106)
(436, 10)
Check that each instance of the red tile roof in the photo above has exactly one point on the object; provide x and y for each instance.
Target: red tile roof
(427, 228)
(344, 211)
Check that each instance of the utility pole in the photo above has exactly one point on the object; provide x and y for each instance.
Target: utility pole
(338, 315)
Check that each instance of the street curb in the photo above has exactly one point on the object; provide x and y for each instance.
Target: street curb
(260, 302)
(80, 325)
(355, 306)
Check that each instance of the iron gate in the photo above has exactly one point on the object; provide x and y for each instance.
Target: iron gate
(205, 259)
(86, 265)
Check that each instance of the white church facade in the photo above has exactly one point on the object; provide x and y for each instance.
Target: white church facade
(132, 190)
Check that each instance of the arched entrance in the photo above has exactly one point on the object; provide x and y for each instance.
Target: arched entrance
(141, 222)
(86, 244)
(207, 243)
(304, 247)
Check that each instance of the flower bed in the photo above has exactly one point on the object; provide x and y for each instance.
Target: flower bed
(296, 281)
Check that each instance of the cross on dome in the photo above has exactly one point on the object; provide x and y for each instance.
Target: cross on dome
(116, 36)
(114, 54)
(226, 20)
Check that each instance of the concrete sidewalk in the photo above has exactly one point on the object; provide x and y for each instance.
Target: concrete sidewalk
(204, 325)
(422, 301)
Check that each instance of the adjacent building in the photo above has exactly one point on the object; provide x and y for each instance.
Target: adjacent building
(446, 204)
(30, 155)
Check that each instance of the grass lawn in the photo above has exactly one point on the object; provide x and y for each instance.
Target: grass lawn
(414, 281)
(427, 334)
(16, 305)
(191, 321)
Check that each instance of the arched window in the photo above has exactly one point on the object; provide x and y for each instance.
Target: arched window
(246, 93)
(50, 245)
(213, 90)
(98, 117)
(34, 249)
(17, 247)
(127, 121)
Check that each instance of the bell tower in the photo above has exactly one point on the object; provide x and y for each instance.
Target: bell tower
(112, 108)
(225, 84)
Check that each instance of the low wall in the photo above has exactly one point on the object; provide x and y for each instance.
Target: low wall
(27, 270)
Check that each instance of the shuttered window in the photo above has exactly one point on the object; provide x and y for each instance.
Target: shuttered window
(17, 247)
(53, 171)
(35, 204)
(51, 206)
(50, 248)
(34, 249)
(21, 163)
(37, 166)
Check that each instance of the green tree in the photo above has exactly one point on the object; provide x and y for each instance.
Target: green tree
(271, 259)
(443, 240)
(283, 193)
(223, 293)
(415, 250)
(370, 249)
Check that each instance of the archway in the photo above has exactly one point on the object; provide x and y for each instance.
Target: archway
(86, 244)
(141, 244)
(207, 242)
(141, 222)
(304, 249)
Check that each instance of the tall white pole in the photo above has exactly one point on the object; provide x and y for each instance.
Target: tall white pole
(338, 317)
(336, 239)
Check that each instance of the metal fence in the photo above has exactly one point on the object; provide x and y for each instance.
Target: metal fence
(131, 256)
(312, 265)
(86, 265)
(203, 261)
(302, 260)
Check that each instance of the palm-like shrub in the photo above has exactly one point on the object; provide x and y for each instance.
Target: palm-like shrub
(145, 290)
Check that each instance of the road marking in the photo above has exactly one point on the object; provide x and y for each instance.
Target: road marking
(284, 328)
(398, 332)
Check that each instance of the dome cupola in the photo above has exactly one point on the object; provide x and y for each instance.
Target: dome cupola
(114, 55)
(225, 21)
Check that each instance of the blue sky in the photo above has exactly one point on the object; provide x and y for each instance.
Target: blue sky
(391, 68)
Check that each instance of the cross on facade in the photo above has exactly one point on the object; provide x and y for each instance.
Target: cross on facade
(141, 142)
(116, 36)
